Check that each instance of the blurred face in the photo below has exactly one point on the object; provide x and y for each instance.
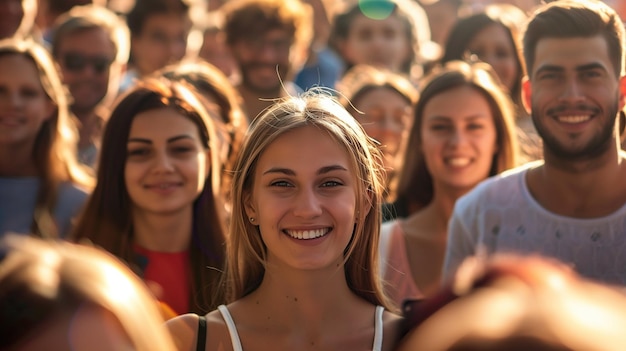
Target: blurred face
(11, 14)
(303, 200)
(575, 96)
(264, 61)
(383, 43)
(386, 116)
(85, 58)
(493, 45)
(163, 40)
(458, 138)
(215, 51)
(90, 328)
(24, 105)
(166, 165)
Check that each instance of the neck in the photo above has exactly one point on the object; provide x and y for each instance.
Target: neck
(163, 233)
(89, 127)
(314, 294)
(17, 161)
(444, 198)
(255, 101)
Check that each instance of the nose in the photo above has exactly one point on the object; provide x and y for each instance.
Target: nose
(163, 163)
(457, 137)
(177, 49)
(572, 91)
(307, 204)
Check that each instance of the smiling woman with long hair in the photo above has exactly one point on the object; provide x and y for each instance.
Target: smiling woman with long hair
(42, 185)
(157, 202)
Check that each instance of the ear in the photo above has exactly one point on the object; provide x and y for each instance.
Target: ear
(249, 205)
(622, 92)
(526, 94)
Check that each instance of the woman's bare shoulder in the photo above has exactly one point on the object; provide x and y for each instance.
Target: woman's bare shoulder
(184, 330)
(393, 330)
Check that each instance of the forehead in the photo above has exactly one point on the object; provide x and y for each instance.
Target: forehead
(163, 121)
(16, 65)
(569, 53)
(377, 96)
(446, 103)
(91, 40)
(307, 147)
(167, 22)
(391, 22)
(493, 33)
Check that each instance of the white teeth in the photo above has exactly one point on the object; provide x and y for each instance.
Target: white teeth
(307, 234)
(458, 161)
(574, 119)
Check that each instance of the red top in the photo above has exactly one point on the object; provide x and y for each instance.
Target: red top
(167, 274)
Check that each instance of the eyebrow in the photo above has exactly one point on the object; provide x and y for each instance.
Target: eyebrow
(580, 68)
(148, 141)
(290, 172)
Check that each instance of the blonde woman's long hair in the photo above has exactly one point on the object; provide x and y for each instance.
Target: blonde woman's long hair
(246, 252)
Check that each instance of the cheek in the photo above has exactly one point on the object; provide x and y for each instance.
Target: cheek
(488, 143)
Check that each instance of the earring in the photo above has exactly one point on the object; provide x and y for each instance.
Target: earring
(252, 219)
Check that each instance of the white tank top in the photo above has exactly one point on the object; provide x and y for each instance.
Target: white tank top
(234, 336)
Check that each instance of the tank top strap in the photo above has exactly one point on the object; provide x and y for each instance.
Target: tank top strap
(378, 329)
(232, 329)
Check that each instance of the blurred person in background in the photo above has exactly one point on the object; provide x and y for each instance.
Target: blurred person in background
(158, 36)
(60, 296)
(17, 18)
(493, 35)
(269, 40)
(382, 102)
(391, 34)
(463, 133)
(157, 203)
(91, 45)
(42, 184)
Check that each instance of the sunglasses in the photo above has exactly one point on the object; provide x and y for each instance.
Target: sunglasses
(77, 62)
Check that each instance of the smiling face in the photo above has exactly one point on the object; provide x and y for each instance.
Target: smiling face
(382, 43)
(303, 200)
(85, 58)
(458, 142)
(264, 60)
(24, 105)
(166, 165)
(574, 96)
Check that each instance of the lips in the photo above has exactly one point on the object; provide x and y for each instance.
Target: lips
(308, 234)
(573, 114)
(574, 119)
(458, 161)
(10, 121)
(163, 186)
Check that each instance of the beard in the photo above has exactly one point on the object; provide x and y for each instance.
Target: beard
(596, 146)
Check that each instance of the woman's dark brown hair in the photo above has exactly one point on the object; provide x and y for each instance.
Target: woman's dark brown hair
(107, 220)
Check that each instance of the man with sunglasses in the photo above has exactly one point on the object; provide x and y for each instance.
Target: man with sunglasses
(91, 45)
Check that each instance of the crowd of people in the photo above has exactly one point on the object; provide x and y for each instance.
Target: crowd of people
(312, 175)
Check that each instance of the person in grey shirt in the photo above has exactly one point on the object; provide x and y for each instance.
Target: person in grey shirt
(572, 205)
